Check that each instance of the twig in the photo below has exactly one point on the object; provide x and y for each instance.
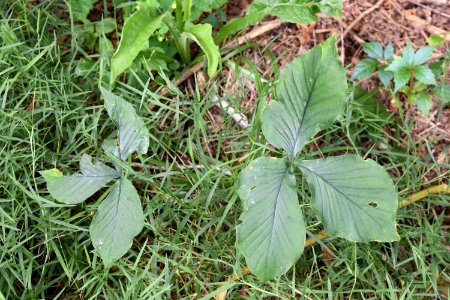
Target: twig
(321, 235)
(362, 15)
(238, 117)
(255, 33)
(429, 8)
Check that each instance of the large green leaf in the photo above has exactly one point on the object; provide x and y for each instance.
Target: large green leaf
(119, 218)
(81, 8)
(133, 135)
(311, 94)
(78, 187)
(135, 34)
(272, 232)
(202, 35)
(297, 11)
(354, 198)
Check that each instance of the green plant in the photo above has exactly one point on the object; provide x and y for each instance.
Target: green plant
(354, 198)
(411, 73)
(119, 216)
(151, 16)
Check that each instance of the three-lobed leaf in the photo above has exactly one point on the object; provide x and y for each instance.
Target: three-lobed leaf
(272, 232)
(133, 135)
(119, 218)
(354, 198)
(77, 188)
(135, 34)
(311, 93)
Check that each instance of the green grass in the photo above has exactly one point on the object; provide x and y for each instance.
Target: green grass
(187, 248)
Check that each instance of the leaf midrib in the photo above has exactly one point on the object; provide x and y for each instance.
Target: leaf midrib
(336, 189)
(274, 211)
(297, 136)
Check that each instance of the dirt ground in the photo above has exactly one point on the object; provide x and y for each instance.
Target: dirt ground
(385, 21)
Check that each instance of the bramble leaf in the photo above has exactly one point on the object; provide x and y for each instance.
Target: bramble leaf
(272, 232)
(397, 64)
(364, 68)
(423, 55)
(424, 75)
(354, 198)
(133, 135)
(408, 54)
(385, 76)
(424, 102)
(311, 93)
(77, 188)
(388, 51)
(135, 34)
(202, 35)
(373, 50)
(118, 219)
(401, 77)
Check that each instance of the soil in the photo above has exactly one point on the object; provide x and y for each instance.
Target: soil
(385, 21)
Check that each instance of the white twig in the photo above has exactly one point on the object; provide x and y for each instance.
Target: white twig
(238, 117)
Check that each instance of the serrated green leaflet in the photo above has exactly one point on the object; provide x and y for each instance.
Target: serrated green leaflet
(78, 187)
(272, 232)
(119, 218)
(424, 75)
(135, 34)
(133, 135)
(202, 35)
(311, 93)
(364, 68)
(374, 50)
(354, 198)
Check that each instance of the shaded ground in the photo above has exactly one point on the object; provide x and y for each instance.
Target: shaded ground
(364, 20)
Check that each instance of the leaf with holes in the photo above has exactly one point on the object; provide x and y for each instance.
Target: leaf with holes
(354, 198)
(272, 232)
(133, 135)
(119, 218)
(311, 93)
(77, 188)
(297, 11)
